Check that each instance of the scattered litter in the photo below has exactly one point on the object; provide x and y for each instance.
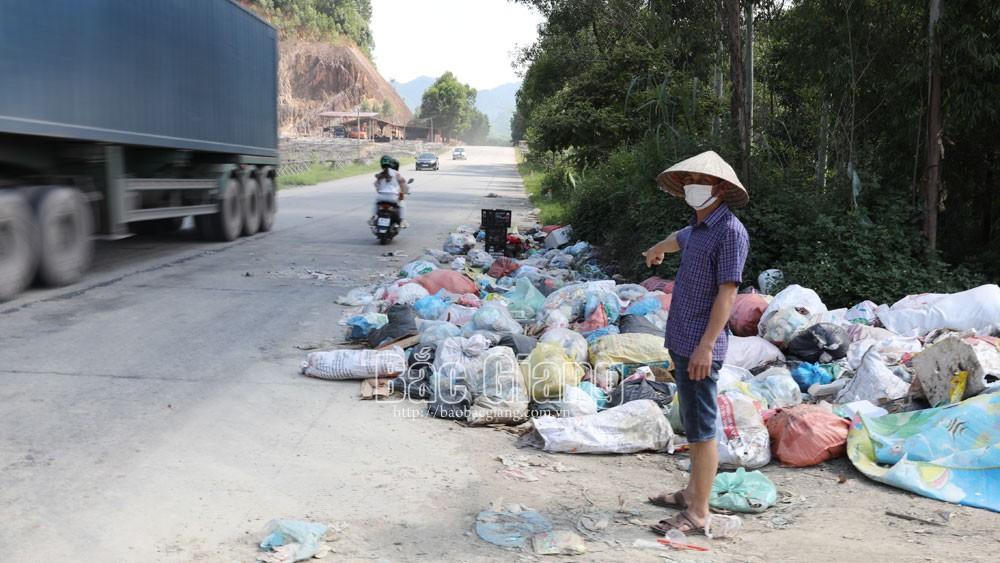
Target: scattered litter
(558, 542)
(291, 540)
(512, 526)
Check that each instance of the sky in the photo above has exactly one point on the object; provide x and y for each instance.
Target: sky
(474, 39)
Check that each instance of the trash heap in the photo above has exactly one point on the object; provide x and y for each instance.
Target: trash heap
(540, 335)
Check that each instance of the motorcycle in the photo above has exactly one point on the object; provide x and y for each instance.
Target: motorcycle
(387, 220)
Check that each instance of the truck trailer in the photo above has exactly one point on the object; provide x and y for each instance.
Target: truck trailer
(127, 116)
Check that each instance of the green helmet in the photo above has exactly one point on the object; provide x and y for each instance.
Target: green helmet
(389, 162)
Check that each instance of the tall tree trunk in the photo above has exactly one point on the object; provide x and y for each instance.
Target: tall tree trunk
(748, 60)
(733, 21)
(934, 146)
(719, 56)
(821, 155)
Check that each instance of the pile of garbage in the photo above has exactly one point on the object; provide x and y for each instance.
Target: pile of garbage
(540, 335)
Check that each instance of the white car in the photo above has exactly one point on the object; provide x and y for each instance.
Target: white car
(458, 154)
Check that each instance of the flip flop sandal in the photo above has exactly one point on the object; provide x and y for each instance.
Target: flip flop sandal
(673, 500)
(681, 521)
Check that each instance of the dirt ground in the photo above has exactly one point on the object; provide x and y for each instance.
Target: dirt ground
(829, 512)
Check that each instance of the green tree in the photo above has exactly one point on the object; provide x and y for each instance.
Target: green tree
(450, 104)
(479, 129)
(325, 20)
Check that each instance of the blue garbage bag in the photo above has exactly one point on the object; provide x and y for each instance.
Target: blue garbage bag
(806, 375)
(433, 306)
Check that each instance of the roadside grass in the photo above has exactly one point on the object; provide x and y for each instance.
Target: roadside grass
(551, 211)
(321, 172)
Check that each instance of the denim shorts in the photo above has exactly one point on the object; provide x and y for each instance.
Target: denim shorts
(697, 401)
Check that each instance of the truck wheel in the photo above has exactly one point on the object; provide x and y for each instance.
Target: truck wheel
(268, 204)
(18, 245)
(228, 222)
(251, 206)
(64, 226)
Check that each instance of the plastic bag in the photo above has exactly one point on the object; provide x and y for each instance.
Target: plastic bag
(415, 381)
(633, 427)
(806, 435)
(561, 262)
(977, 309)
(770, 280)
(579, 248)
(822, 343)
(872, 382)
(606, 300)
(432, 307)
(746, 313)
(479, 259)
(499, 393)
(596, 320)
(596, 393)
(743, 439)
(572, 342)
(862, 313)
(439, 256)
(793, 297)
(520, 343)
(357, 297)
(525, 300)
(751, 352)
(576, 402)
(492, 316)
(631, 292)
(639, 389)
(782, 326)
(807, 375)
(416, 268)
(306, 535)
(458, 264)
(636, 324)
(459, 243)
(742, 491)
(354, 364)
(360, 326)
(459, 315)
(450, 398)
(656, 283)
(733, 377)
(777, 387)
(461, 359)
(401, 323)
(433, 332)
(470, 300)
(572, 298)
(503, 267)
(408, 294)
(628, 349)
(448, 280)
(595, 335)
(644, 306)
(547, 370)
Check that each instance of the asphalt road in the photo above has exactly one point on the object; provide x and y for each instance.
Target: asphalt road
(154, 412)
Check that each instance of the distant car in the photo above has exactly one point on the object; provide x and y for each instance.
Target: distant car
(458, 154)
(427, 161)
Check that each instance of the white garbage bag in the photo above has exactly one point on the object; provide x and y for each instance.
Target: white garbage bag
(777, 387)
(633, 427)
(576, 402)
(977, 309)
(743, 438)
(805, 300)
(751, 351)
(873, 382)
(500, 396)
(573, 342)
(354, 364)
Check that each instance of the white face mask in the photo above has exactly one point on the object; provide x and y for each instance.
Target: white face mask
(699, 196)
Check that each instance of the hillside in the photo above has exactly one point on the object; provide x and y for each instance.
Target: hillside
(315, 77)
(497, 103)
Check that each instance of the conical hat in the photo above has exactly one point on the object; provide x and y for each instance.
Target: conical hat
(710, 164)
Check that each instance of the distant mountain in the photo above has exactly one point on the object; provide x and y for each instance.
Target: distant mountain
(497, 103)
(413, 91)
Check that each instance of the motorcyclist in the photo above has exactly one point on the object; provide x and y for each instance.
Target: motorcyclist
(391, 187)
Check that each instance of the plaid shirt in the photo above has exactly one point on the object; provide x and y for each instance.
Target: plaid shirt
(713, 252)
